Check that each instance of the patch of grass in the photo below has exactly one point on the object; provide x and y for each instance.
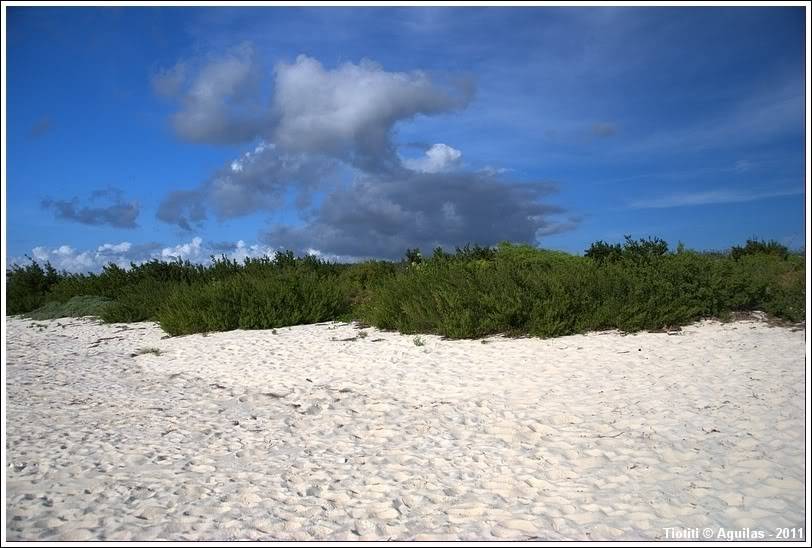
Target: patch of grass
(81, 305)
(418, 341)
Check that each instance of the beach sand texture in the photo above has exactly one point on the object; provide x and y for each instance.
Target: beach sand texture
(310, 433)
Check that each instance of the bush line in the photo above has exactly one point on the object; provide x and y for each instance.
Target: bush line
(474, 292)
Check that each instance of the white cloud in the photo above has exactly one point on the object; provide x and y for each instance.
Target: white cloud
(190, 251)
(440, 157)
(243, 251)
(123, 247)
(719, 196)
(65, 257)
(348, 112)
(491, 171)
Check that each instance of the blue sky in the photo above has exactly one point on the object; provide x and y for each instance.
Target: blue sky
(160, 132)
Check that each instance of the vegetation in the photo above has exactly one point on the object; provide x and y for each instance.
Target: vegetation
(151, 350)
(473, 292)
(757, 247)
(75, 307)
(28, 286)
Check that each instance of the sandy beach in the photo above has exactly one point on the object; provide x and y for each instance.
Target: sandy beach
(317, 432)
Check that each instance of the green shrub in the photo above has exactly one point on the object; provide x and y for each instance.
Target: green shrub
(241, 302)
(358, 281)
(27, 286)
(473, 292)
(644, 249)
(601, 252)
(138, 302)
(759, 247)
(526, 290)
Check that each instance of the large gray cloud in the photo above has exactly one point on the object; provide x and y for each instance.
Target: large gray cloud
(119, 213)
(257, 181)
(322, 120)
(221, 103)
(318, 118)
(382, 216)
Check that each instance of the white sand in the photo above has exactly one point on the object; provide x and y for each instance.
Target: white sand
(300, 435)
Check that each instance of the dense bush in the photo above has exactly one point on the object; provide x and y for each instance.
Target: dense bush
(759, 247)
(635, 286)
(243, 302)
(601, 252)
(640, 250)
(472, 292)
(139, 301)
(27, 286)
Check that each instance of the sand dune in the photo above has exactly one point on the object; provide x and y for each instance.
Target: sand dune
(315, 433)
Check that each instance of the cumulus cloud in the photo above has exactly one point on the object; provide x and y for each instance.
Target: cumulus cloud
(197, 251)
(319, 119)
(349, 112)
(325, 122)
(119, 213)
(439, 157)
(221, 103)
(256, 181)
(65, 257)
(382, 216)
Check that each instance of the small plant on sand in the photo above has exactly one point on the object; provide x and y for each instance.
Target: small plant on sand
(418, 341)
(142, 351)
(362, 334)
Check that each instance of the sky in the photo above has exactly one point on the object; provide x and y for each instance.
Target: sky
(354, 133)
